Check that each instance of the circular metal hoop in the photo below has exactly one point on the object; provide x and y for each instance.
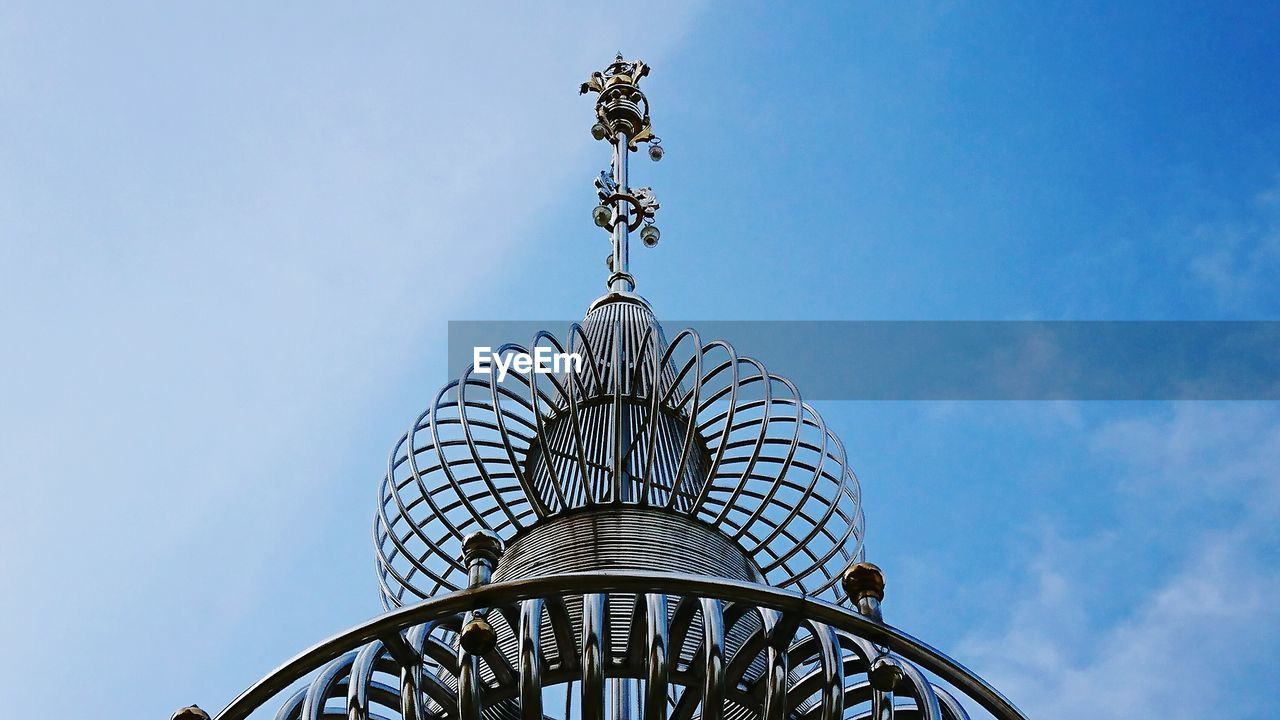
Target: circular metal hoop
(638, 211)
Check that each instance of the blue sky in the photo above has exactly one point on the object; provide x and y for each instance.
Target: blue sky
(231, 237)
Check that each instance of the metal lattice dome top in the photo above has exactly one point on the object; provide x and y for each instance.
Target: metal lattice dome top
(702, 459)
(662, 530)
(645, 455)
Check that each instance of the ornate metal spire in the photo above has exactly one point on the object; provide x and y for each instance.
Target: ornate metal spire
(622, 118)
(666, 532)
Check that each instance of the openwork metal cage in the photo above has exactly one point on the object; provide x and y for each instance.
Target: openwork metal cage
(683, 428)
(662, 531)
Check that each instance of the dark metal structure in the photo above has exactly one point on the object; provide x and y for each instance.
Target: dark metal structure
(664, 531)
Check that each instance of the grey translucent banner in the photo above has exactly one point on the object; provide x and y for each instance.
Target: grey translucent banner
(979, 360)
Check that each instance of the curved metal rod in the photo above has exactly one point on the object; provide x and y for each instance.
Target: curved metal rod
(361, 675)
(469, 687)
(593, 659)
(691, 430)
(539, 420)
(658, 669)
(563, 632)
(464, 421)
(951, 708)
(652, 426)
(728, 422)
(530, 653)
(293, 706)
(411, 456)
(318, 692)
(808, 492)
(786, 463)
(832, 671)
(500, 419)
(446, 467)
(922, 691)
(713, 658)
(416, 476)
(754, 457)
(575, 418)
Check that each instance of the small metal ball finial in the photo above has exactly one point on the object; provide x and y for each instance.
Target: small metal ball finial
(191, 712)
(863, 584)
(482, 547)
(477, 636)
(649, 235)
(885, 674)
(863, 580)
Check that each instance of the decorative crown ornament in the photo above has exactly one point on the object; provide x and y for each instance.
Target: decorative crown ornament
(620, 105)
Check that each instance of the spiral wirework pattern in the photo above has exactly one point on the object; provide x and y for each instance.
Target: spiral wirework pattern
(684, 427)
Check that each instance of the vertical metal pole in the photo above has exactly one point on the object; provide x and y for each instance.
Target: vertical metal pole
(620, 282)
(594, 624)
(622, 699)
(620, 430)
(622, 209)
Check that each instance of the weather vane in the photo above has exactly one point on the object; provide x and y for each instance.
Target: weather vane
(622, 118)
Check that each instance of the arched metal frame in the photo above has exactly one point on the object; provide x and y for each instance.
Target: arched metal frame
(688, 427)
(753, 651)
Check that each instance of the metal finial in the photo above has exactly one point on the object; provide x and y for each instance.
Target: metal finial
(864, 586)
(191, 712)
(622, 116)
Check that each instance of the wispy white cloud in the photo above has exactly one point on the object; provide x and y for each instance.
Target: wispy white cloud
(1200, 639)
(1240, 260)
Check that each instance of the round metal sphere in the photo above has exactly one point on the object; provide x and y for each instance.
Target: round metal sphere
(885, 674)
(602, 216)
(649, 236)
(477, 636)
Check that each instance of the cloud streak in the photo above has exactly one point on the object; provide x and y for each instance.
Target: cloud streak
(1200, 640)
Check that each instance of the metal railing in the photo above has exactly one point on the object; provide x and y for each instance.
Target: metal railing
(684, 646)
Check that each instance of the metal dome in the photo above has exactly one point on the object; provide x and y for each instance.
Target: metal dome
(688, 428)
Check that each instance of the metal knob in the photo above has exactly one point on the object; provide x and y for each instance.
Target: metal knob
(602, 216)
(477, 636)
(885, 674)
(864, 585)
